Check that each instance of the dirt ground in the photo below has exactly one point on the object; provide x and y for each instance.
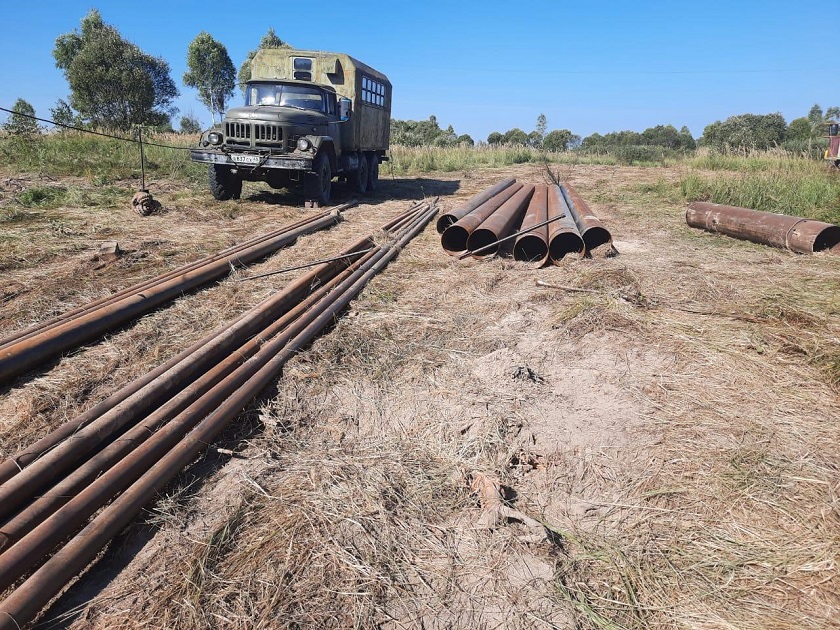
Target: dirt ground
(667, 415)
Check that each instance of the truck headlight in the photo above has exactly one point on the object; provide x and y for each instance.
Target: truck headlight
(303, 144)
(214, 137)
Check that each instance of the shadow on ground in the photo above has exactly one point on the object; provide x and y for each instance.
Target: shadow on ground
(390, 189)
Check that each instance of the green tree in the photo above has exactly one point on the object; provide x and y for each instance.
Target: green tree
(269, 40)
(211, 72)
(190, 124)
(495, 138)
(747, 131)
(466, 140)
(516, 136)
(63, 114)
(113, 83)
(542, 126)
(19, 123)
(558, 140)
(800, 129)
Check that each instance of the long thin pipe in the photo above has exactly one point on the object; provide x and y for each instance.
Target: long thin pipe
(61, 457)
(145, 284)
(532, 247)
(25, 601)
(28, 353)
(563, 237)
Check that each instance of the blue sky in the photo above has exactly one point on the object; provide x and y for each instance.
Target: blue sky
(489, 66)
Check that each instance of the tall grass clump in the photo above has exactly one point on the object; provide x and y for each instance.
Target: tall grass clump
(98, 158)
(775, 160)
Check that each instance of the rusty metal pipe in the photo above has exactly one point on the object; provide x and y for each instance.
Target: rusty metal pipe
(145, 284)
(563, 235)
(532, 247)
(46, 504)
(447, 219)
(500, 223)
(803, 236)
(15, 491)
(227, 402)
(454, 238)
(29, 353)
(592, 231)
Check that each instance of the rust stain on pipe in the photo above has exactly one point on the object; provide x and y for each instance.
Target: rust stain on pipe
(532, 247)
(463, 210)
(803, 236)
(563, 235)
(500, 223)
(454, 238)
(592, 231)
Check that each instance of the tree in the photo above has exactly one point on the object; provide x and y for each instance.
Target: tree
(516, 136)
(190, 124)
(19, 123)
(466, 139)
(542, 126)
(63, 114)
(747, 131)
(269, 40)
(799, 129)
(211, 72)
(535, 139)
(113, 83)
(558, 140)
(495, 138)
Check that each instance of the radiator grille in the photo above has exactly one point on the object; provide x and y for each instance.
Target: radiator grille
(240, 131)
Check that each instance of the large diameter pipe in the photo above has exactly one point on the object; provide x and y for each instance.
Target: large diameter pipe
(25, 601)
(31, 352)
(445, 220)
(563, 235)
(592, 231)
(454, 238)
(532, 247)
(500, 223)
(803, 236)
(15, 491)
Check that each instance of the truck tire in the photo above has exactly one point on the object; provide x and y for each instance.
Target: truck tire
(318, 184)
(223, 184)
(373, 172)
(360, 175)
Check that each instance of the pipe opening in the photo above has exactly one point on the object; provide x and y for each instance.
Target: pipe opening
(595, 237)
(444, 222)
(828, 239)
(454, 239)
(565, 243)
(482, 238)
(530, 248)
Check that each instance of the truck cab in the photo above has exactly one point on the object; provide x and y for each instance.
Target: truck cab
(308, 116)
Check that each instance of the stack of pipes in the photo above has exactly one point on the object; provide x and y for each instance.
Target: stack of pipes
(30, 348)
(548, 223)
(97, 471)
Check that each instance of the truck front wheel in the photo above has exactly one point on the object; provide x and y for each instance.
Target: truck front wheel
(373, 169)
(318, 184)
(223, 183)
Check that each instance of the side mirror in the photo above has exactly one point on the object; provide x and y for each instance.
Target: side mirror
(345, 108)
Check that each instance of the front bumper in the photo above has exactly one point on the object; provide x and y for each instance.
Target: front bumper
(274, 161)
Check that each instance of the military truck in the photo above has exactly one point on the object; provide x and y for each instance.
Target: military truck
(309, 116)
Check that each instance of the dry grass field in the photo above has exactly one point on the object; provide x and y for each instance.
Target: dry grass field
(663, 421)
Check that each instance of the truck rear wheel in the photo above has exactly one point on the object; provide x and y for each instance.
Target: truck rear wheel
(223, 183)
(373, 170)
(360, 175)
(318, 184)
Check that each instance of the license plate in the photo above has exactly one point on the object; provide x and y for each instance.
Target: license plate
(245, 159)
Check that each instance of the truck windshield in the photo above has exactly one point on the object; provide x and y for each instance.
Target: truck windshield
(285, 95)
